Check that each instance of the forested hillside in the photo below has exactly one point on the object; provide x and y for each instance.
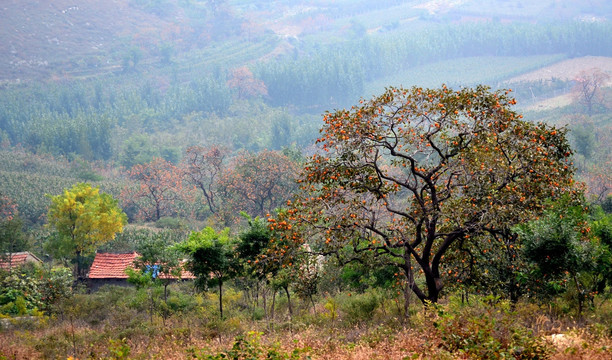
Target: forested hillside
(319, 172)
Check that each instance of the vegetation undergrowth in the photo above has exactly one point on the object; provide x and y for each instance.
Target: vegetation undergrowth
(117, 323)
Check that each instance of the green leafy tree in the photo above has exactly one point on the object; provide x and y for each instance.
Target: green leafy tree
(307, 274)
(282, 278)
(601, 225)
(560, 252)
(131, 59)
(166, 51)
(212, 258)
(84, 218)
(55, 287)
(138, 149)
(488, 264)
(252, 243)
(160, 260)
(606, 204)
(412, 172)
(149, 291)
(12, 238)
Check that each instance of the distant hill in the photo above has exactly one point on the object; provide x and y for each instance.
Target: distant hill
(39, 39)
(53, 39)
(42, 40)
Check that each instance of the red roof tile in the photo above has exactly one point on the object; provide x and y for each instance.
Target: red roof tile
(185, 275)
(111, 266)
(18, 259)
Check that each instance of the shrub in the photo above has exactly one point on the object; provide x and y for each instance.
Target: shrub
(486, 329)
(258, 313)
(249, 347)
(359, 307)
(118, 349)
(20, 294)
(171, 223)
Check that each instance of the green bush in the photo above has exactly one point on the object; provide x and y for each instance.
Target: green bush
(359, 307)
(118, 349)
(486, 329)
(258, 314)
(20, 294)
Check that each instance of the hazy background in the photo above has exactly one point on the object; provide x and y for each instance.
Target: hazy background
(89, 89)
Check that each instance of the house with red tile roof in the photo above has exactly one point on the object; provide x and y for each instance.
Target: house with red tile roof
(109, 269)
(13, 260)
(112, 266)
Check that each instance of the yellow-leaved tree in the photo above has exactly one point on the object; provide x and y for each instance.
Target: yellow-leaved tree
(84, 218)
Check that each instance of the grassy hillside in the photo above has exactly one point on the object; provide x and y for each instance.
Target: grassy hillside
(39, 40)
(63, 39)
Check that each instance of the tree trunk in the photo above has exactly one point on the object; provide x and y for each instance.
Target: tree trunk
(409, 283)
(407, 293)
(432, 282)
(580, 297)
(273, 304)
(78, 266)
(209, 198)
(265, 302)
(221, 298)
(10, 262)
(288, 301)
(152, 305)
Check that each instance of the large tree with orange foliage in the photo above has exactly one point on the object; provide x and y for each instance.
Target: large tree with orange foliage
(158, 191)
(245, 84)
(407, 175)
(257, 183)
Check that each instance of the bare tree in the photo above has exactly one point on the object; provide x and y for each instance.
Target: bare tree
(201, 167)
(587, 90)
